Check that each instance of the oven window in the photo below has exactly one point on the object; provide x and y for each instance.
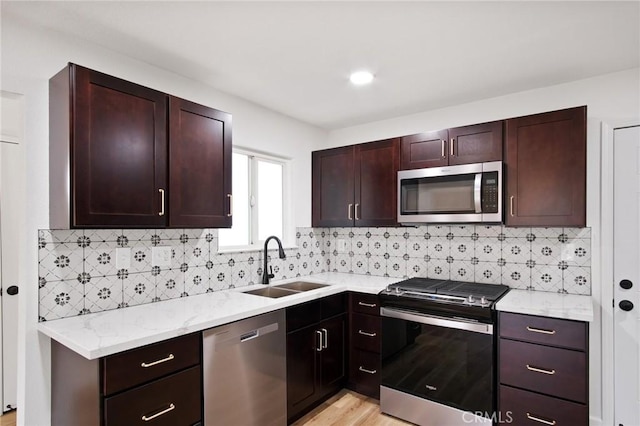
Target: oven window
(450, 366)
(446, 194)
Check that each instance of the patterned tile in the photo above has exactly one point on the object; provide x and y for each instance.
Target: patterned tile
(60, 261)
(488, 250)
(140, 257)
(396, 267)
(377, 246)
(546, 251)
(577, 280)
(462, 248)
(491, 231)
(417, 267)
(169, 284)
(550, 233)
(487, 272)
(63, 299)
(439, 247)
(378, 266)
(139, 288)
(103, 294)
(341, 263)
(439, 230)
(360, 245)
(100, 259)
(546, 278)
(221, 276)
(462, 230)
(516, 250)
(515, 232)
(396, 246)
(438, 268)
(461, 271)
(576, 252)
(57, 236)
(102, 235)
(196, 280)
(580, 233)
(243, 274)
(196, 252)
(516, 276)
(360, 264)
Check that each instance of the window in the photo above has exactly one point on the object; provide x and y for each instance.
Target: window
(258, 200)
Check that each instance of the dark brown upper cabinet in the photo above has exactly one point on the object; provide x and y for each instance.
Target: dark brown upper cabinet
(356, 185)
(461, 145)
(126, 156)
(546, 157)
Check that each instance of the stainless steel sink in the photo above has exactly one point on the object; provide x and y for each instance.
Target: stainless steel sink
(287, 289)
(301, 286)
(271, 292)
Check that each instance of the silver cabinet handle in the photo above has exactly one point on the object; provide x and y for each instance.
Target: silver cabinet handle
(511, 205)
(364, 370)
(444, 147)
(349, 211)
(160, 361)
(319, 347)
(364, 333)
(230, 197)
(171, 407)
(161, 191)
(326, 338)
(541, 330)
(451, 148)
(368, 305)
(539, 420)
(356, 210)
(541, 370)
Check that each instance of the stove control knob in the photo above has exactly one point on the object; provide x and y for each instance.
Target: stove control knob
(471, 299)
(483, 301)
(397, 290)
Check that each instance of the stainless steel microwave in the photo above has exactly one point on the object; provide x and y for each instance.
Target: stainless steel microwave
(451, 194)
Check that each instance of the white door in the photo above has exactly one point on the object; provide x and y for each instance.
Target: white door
(626, 273)
(11, 240)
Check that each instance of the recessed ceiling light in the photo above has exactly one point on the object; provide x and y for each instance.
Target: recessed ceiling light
(361, 77)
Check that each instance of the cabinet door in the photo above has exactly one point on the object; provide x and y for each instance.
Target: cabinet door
(376, 183)
(302, 391)
(332, 365)
(119, 152)
(475, 144)
(200, 166)
(424, 150)
(332, 187)
(546, 169)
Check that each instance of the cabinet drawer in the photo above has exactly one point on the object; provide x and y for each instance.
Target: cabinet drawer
(365, 332)
(365, 303)
(141, 365)
(175, 400)
(528, 408)
(303, 315)
(548, 331)
(364, 372)
(331, 306)
(552, 371)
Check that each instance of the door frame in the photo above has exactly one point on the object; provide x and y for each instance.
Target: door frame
(606, 270)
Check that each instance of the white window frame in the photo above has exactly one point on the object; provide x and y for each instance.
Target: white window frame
(287, 230)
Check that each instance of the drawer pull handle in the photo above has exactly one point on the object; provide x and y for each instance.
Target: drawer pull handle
(160, 361)
(539, 420)
(368, 305)
(171, 407)
(364, 370)
(364, 333)
(541, 370)
(541, 330)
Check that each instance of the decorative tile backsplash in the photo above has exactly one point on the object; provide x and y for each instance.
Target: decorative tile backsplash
(78, 272)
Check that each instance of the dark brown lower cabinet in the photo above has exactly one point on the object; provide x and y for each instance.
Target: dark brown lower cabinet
(158, 384)
(364, 344)
(316, 366)
(543, 366)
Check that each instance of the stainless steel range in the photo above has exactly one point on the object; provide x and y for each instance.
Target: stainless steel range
(438, 362)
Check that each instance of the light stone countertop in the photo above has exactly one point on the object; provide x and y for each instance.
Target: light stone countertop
(555, 305)
(105, 333)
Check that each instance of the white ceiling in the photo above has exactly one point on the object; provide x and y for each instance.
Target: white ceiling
(295, 57)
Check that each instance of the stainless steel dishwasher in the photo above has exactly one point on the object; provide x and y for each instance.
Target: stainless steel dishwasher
(245, 372)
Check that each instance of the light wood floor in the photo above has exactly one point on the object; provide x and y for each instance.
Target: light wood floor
(348, 408)
(8, 419)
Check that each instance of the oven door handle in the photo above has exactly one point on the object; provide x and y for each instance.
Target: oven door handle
(437, 321)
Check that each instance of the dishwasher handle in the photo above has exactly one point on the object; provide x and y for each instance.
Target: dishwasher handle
(224, 339)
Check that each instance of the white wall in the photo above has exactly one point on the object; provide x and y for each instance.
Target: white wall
(609, 98)
(29, 58)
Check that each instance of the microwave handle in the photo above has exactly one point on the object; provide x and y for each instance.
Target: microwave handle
(477, 192)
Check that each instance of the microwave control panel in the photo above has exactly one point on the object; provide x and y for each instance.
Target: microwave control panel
(489, 192)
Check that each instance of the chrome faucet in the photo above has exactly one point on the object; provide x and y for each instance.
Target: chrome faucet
(266, 276)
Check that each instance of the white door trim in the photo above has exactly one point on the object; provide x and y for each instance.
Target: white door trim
(606, 275)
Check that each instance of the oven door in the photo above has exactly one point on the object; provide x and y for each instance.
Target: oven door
(445, 360)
